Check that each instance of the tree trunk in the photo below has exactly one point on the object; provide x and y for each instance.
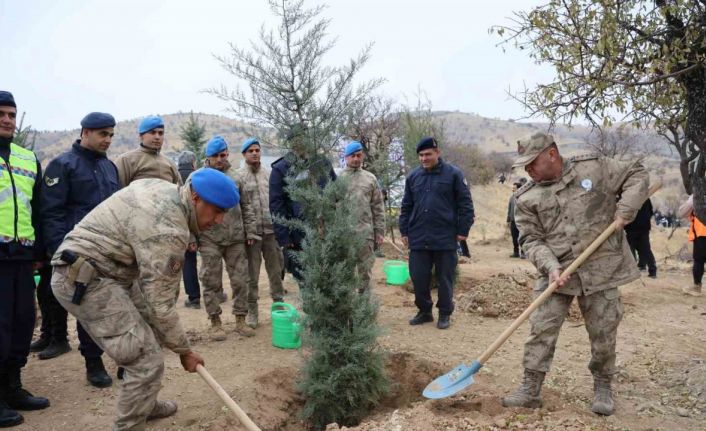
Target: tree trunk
(695, 85)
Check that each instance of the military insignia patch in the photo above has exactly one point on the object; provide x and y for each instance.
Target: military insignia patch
(174, 264)
(51, 181)
(587, 184)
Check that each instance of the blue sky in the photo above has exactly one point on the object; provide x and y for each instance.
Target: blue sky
(133, 58)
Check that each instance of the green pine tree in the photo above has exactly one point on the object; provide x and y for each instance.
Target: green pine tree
(25, 137)
(289, 88)
(193, 133)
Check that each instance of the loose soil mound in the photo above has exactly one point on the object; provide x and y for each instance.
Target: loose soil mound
(502, 295)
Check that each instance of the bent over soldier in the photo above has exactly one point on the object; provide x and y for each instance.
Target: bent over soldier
(566, 206)
(137, 237)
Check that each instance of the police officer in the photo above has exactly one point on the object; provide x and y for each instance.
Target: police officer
(20, 249)
(436, 212)
(75, 182)
(227, 242)
(137, 237)
(146, 160)
(567, 205)
(187, 165)
(294, 164)
(365, 192)
(255, 180)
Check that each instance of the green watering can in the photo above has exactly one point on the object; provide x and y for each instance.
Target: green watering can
(286, 330)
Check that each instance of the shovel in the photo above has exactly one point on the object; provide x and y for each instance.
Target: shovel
(462, 376)
(227, 400)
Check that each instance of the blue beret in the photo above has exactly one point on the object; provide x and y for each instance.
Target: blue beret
(97, 120)
(216, 145)
(426, 143)
(215, 187)
(352, 147)
(248, 143)
(150, 123)
(6, 99)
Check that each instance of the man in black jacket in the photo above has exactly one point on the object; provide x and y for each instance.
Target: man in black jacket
(74, 183)
(638, 235)
(187, 164)
(437, 211)
(20, 253)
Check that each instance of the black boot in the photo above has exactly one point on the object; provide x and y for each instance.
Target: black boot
(56, 348)
(444, 321)
(41, 343)
(19, 398)
(96, 374)
(9, 417)
(421, 317)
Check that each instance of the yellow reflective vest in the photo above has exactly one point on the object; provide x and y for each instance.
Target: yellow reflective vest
(17, 180)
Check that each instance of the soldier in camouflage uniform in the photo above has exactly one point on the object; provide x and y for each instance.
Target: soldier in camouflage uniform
(146, 161)
(137, 237)
(255, 180)
(227, 242)
(566, 206)
(364, 190)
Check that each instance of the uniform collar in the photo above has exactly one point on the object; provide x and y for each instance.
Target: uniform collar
(436, 169)
(185, 196)
(85, 151)
(148, 150)
(349, 169)
(254, 170)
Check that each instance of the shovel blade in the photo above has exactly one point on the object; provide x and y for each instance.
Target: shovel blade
(452, 382)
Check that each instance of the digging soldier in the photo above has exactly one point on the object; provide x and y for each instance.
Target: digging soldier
(364, 190)
(566, 206)
(137, 237)
(255, 181)
(146, 160)
(226, 242)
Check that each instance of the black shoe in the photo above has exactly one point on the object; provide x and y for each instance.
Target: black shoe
(9, 417)
(120, 373)
(19, 398)
(56, 348)
(193, 303)
(41, 344)
(515, 255)
(96, 374)
(444, 321)
(421, 317)
(652, 275)
(642, 268)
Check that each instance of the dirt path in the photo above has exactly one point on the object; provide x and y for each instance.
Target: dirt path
(661, 352)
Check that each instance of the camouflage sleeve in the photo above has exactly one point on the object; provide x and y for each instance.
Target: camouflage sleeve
(630, 183)
(532, 239)
(377, 205)
(124, 171)
(160, 259)
(249, 217)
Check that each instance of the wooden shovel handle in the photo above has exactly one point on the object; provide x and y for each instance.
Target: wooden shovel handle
(227, 400)
(552, 287)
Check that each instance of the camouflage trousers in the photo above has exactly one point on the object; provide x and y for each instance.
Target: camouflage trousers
(115, 315)
(211, 276)
(366, 260)
(602, 312)
(270, 251)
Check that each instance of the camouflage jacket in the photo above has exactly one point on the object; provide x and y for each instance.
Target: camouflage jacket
(142, 163)
(140, 234)
(364, 191)
(256, 185)
(558, 220)
(239, 223)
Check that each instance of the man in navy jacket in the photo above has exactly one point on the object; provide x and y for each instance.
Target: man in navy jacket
(437, 211)
(75, 182)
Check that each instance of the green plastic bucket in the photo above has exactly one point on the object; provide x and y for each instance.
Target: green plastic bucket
(396, 272)
(286, 330)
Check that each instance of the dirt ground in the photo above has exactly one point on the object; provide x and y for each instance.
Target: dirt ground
(661, 353)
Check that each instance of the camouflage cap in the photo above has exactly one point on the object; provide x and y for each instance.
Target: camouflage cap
(529, 149)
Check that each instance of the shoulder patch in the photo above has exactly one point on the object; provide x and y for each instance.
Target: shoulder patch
(51, 181)
(582, 157)
(528, 185)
